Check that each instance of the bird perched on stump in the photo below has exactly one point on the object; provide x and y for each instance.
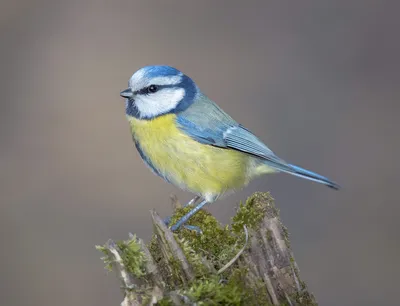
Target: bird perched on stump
(188, 140)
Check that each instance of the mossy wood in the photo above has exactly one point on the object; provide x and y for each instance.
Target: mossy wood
(247, 263)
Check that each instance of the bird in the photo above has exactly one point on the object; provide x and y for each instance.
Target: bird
(189, 141)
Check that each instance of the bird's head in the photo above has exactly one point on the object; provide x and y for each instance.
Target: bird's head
(157, 90)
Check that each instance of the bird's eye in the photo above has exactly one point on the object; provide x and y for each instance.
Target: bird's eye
(153, 88)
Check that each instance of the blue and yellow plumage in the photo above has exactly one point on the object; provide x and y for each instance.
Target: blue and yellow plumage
(185, 138)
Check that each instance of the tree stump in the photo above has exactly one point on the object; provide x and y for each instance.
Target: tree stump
(249, 262)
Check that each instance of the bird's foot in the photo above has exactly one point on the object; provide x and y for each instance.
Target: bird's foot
(167, 221)
(195, 228)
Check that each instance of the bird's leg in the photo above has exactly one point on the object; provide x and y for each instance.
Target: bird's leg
(193, 227)
(191, 202)
(186, 217)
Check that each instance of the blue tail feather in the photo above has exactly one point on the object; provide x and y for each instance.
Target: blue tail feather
(309, 175)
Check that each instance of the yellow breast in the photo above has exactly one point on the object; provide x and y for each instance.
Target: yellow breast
(203, 169)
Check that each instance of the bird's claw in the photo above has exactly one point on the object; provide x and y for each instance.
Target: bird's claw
(195, 228)
(167, 221)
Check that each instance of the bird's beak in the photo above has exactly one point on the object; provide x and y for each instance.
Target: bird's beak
(127, 93)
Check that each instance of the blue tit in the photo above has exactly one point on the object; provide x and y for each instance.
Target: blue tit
(189, 141)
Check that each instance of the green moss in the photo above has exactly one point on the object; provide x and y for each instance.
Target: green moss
(251, 213)
(212, 292)
(132, 256)
(305, 298)
(176, 275)
(107, 258)
(217, 243)
(195, 259)
(286, 235)
(232, 291)
(154, 249)
(166, 301)
(172, 278)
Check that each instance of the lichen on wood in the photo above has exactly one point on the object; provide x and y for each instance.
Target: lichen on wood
(247, 263)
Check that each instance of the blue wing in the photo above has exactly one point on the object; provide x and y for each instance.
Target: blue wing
(205, 122)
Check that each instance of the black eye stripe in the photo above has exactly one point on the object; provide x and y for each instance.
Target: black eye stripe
(146, 90)
(142, 91)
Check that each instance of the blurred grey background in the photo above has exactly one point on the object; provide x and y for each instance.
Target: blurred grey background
(318, 81)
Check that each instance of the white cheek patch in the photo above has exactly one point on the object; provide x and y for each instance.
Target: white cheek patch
(160, 102)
